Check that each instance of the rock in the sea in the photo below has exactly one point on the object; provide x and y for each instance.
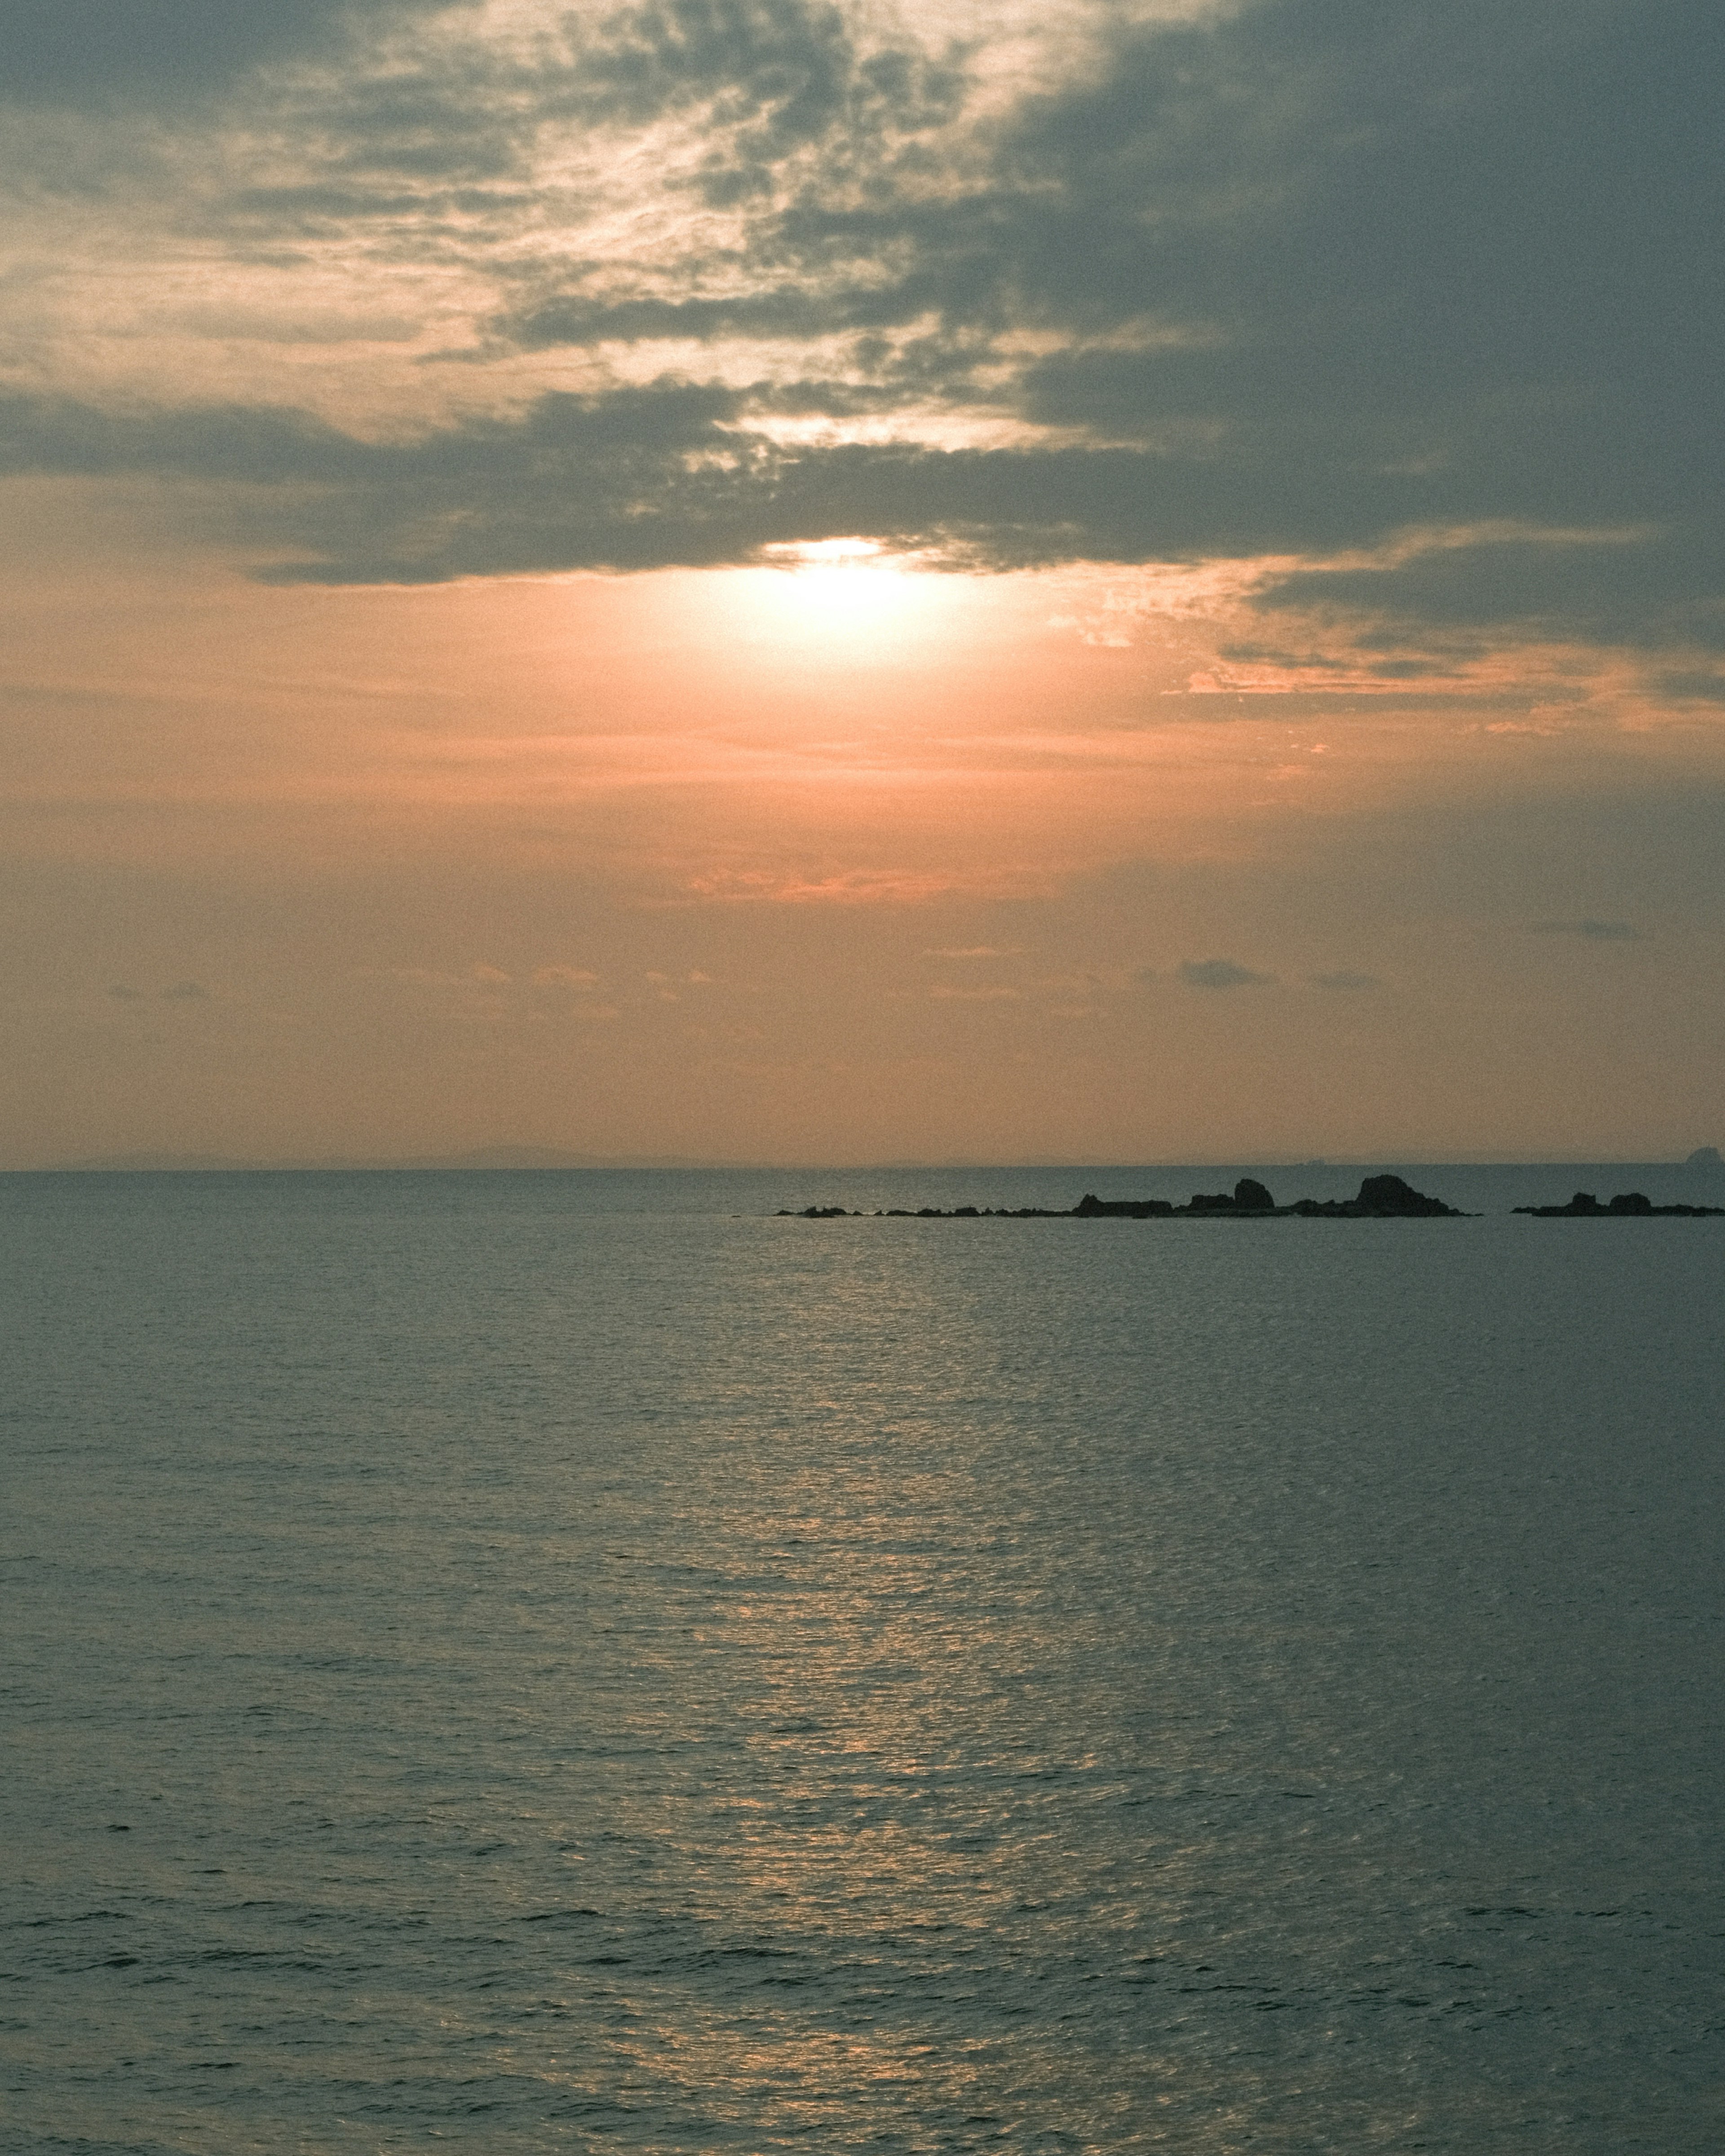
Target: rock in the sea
(1381, 1197)
(1628, 1204)
(1387, 1195)
(1090, 1207)
(1248, 1195)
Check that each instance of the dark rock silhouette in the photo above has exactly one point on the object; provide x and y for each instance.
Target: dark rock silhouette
(1248, 1195)
(1389, 1196)
(1628, 1204)
(1384, 1197)
(1381, 1197)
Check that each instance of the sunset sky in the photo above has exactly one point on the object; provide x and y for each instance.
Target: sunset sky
(763, 581)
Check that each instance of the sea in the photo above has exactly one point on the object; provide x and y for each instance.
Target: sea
(549, 1662)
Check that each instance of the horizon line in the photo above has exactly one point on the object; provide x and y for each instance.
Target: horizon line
(527, 1160)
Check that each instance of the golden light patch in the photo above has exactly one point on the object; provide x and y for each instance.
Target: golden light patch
(848, 591)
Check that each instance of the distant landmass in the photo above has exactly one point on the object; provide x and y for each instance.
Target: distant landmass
(482, 1158)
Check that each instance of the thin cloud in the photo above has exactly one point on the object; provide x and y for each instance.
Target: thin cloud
(185, 992)
(1695, 685)
(1221, 973)
(978, 951)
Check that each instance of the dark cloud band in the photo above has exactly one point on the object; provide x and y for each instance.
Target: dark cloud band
(1294, 281)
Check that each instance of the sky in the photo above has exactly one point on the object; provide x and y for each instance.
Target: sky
(751, 580)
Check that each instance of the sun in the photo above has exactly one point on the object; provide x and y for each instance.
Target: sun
(847, 589)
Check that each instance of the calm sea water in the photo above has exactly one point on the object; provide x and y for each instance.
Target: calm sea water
(546, 1662)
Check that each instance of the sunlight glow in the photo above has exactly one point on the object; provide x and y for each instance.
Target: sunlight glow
(846, 588)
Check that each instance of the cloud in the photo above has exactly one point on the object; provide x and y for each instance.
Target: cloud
(123, 994)
(84, 51)
(1350, 981)
(1654, 586)
(185, 992)
(1221, 973)
(1701, 686)
(565, 977)
(664, 475)
(1295, 279)
(1592, 931)
(978, 951)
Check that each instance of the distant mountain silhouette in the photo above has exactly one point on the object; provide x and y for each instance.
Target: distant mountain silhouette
(481, 1158)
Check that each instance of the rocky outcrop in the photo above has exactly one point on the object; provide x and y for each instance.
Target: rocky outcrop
(1248, 1195)
(1381, 1197)
(1628, 1204)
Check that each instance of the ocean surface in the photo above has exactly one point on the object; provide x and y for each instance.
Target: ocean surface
(575, 1661)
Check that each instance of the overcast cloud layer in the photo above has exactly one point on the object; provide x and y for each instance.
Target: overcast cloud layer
(1415, 306)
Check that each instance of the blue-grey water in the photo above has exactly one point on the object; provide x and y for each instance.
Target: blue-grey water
(553, 1662)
